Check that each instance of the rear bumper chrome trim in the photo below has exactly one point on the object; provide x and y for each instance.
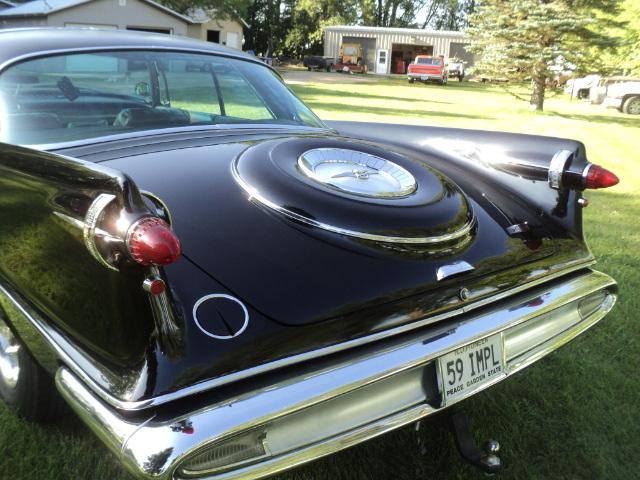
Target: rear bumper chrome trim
(59, 348)
(419, 76)
(154, 448)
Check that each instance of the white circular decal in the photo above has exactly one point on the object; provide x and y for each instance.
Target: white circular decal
(220, 296)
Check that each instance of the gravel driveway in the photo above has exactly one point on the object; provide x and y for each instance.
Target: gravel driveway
(305, 76)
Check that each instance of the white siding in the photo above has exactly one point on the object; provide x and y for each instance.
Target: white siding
(9, 22)
(225, 27)
(126, 13)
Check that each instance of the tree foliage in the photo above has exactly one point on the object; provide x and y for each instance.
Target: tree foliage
(628, 59)
(295, 27)
(446, 14)
(529, 39)
(515, 39)
(309, 17)
(269, 21)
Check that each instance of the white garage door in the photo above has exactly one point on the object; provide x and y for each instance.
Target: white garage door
(233, 40)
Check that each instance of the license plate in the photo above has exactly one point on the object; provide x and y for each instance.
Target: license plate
(424, 77)
(470, 367)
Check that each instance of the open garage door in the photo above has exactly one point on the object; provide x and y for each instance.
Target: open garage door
(402, 54)
(368, 47)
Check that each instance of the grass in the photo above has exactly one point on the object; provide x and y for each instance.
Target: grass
(572, 416)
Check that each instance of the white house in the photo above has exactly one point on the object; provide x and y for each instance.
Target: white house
(141, 15)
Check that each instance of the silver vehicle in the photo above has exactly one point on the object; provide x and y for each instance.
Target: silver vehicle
(456, 68)
(580, 87)
(625, 96)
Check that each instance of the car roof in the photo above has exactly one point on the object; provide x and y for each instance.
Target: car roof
(26, 42)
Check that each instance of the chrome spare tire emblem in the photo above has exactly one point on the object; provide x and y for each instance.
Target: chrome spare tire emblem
(357, 173)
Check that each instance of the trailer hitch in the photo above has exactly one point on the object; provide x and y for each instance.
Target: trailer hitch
(485, 458)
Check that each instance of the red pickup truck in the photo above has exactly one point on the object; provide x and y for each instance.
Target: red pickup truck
(428, 68)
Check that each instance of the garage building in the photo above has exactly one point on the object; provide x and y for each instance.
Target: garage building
(389, 50)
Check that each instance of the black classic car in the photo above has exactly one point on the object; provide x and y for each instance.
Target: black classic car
(223, 286)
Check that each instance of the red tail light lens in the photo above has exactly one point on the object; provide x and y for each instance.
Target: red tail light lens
(151, 241)
(598, 177)
(154, 285)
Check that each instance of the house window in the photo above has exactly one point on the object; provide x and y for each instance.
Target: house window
(213, 36)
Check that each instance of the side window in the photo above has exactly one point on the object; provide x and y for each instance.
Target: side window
(105, 73)
(240, 98)
(191, 86)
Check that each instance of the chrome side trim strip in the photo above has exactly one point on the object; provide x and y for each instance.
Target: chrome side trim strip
(162, 210)
(256, 195)
(92, 217)
(204, 130)
(557, 166)
(585, 173)
(129, 405)
(299, 391)
(58, 351)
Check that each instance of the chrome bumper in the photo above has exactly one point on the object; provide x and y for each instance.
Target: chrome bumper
(428, 76)
(360, 395)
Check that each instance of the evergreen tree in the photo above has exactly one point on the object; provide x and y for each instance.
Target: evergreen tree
(523, 39)
(629, 52)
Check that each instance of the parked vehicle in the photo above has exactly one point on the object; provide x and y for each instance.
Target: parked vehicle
(427, 68)
(597, 93)
(223, 286)
(580, 87)
(455, 68)
(351, 59)
(314, 62)
(625, 96)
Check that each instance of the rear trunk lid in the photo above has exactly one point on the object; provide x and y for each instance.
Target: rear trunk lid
(299, 273)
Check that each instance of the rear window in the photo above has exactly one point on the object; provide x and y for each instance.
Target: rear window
(79, 96)
(429, 61)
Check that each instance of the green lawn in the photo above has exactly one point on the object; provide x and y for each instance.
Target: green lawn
(574, 415)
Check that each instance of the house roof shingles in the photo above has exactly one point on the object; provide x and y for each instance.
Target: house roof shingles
(41, 8)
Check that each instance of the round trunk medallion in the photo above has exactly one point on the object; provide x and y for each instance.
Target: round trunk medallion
(357, 173)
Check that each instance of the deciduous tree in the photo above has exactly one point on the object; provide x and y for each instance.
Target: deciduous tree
(309, 17)
(446, 14)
